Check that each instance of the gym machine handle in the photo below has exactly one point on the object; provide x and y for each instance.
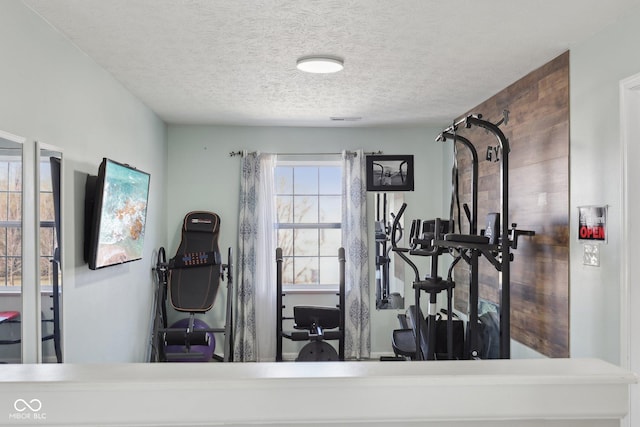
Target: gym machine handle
(516, 233)
(394, 242)
(396, 228)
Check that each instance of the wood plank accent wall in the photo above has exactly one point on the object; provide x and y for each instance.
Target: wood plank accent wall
(538, 131)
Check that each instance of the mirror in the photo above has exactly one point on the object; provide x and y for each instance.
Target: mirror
(10, 248)
(389, 268)
(50, 271)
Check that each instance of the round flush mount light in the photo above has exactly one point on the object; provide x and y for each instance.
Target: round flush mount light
(320, 64)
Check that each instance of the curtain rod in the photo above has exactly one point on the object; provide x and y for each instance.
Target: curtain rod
(239, 153)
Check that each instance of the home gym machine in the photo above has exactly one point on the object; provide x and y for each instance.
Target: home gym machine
(423, 333)
(385, 298)
(190, 281)
(494, 244)
(312, 323)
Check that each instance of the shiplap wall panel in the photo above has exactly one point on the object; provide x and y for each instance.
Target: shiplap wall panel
(538, 133)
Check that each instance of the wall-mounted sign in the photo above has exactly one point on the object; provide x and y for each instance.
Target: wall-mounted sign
(592, 223)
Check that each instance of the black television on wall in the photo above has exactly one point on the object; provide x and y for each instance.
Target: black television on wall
(115, 214)
(388, 173)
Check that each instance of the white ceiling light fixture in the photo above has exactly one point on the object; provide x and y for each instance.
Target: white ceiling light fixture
(320, 64)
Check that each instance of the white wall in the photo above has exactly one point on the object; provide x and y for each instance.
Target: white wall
(596, 68)
(203, 176)
(52, 92)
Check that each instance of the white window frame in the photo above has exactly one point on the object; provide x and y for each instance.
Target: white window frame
(310, 160)
(4, 287)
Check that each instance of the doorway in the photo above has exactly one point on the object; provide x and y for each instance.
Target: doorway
(630, 271)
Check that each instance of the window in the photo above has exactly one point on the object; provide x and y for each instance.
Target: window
(309, 214)
(11, 223)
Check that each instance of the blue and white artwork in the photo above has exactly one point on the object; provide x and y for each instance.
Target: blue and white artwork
(123, 215)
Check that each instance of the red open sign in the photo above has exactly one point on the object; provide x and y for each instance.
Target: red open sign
(592, 223)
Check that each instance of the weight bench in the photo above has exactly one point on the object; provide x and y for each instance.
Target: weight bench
(316, 324)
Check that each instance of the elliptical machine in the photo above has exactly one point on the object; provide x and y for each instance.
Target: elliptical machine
(422, 236)
(386, 298)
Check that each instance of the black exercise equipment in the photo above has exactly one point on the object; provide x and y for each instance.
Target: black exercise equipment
(56, 167)
(8, 318)
(312, 323)
(421, 238)
(385, 299)
(190, 280)
(436, 237)
(404, 343)
(496, 245)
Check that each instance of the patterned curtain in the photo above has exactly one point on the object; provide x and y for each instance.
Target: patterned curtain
(255, 296)
(354, 240)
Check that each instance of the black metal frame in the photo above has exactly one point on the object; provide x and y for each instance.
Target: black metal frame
(467, 247)
(304, 335)
(422, 244)
(382, 232)
(160, 326)
(498, 255)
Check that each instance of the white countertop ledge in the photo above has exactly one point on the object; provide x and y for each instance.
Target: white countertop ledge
(322, 393)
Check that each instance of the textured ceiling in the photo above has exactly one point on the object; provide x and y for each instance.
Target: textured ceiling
(406, 61)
